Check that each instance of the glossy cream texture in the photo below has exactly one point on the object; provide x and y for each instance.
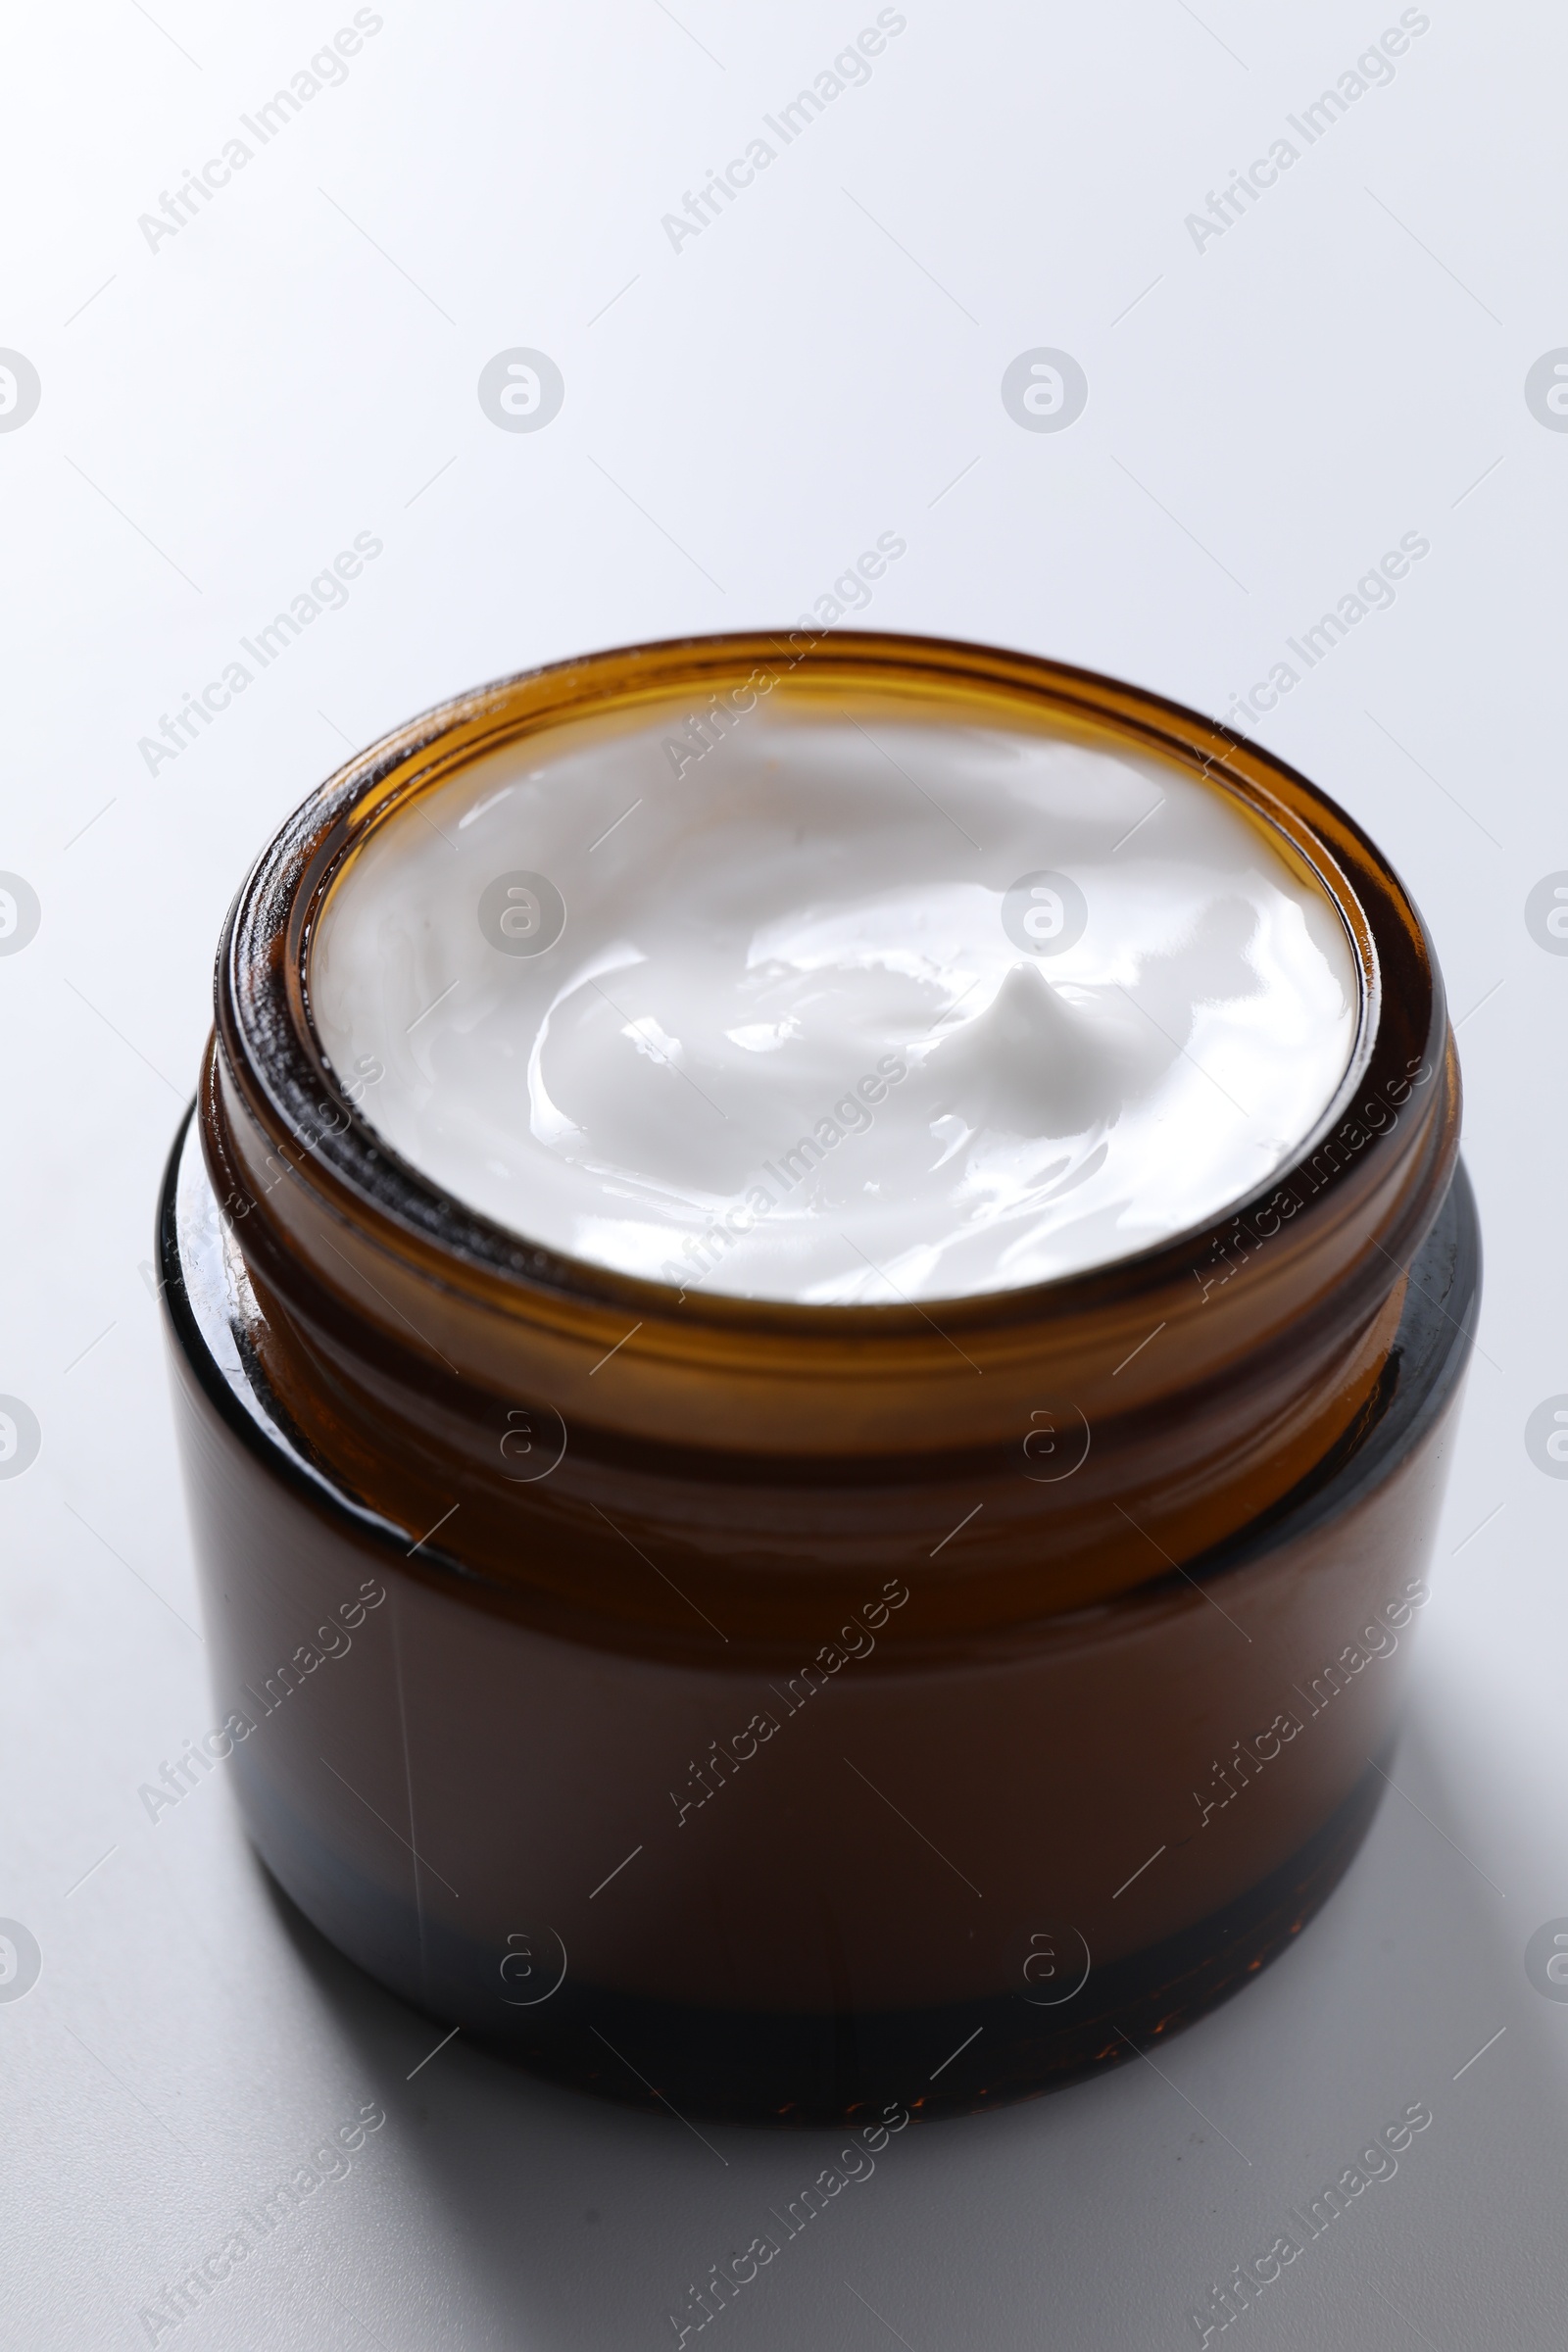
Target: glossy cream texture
(845, 1010)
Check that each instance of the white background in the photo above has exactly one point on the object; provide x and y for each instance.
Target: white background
(219, 417)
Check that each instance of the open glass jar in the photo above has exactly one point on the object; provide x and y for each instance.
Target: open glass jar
(782, 1710)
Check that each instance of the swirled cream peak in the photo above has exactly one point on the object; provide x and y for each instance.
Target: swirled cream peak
(844, 1010)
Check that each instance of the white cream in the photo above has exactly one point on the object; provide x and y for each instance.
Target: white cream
(846, 1010)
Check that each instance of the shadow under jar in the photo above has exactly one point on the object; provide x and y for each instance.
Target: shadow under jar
(782, 1709)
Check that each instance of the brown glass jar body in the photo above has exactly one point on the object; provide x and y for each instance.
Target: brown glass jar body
(754, 1717)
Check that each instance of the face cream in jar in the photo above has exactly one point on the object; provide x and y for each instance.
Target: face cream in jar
(816, 1291)
(806, 1022)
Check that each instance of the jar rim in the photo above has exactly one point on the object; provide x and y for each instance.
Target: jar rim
(261, 982)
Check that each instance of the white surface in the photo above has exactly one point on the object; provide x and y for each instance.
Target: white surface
(1345, 364)
(788, 949)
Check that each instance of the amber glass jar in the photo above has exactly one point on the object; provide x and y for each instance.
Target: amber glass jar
(773, 1709)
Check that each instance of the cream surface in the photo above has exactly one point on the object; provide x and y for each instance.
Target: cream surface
(840, 1011)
